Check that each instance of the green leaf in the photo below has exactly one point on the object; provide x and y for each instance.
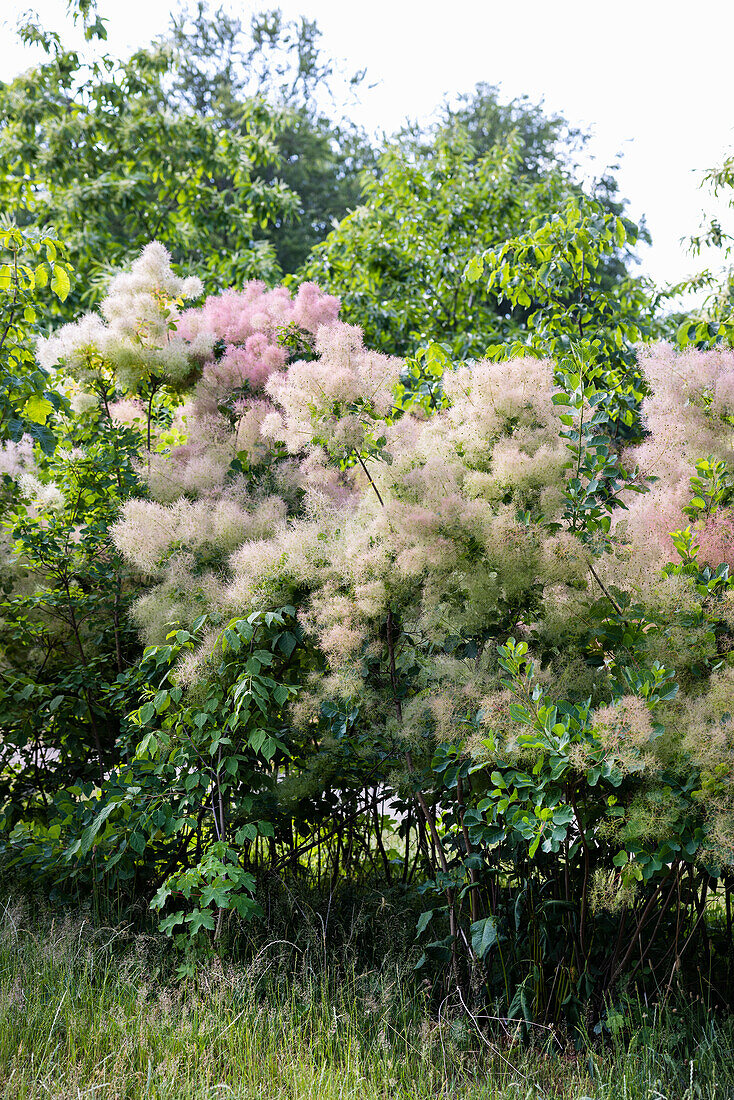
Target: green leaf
(423, 921)
(60, 282)
(245, 906)
(137, 843)
(483, 936)
(287, 642)
(169, 923)
(563, 815)
(200, 918)
(162, 701)
(87, 837)
(147, 713)
(219, 895)
(162, 895)
(474, 269)
(37, 409)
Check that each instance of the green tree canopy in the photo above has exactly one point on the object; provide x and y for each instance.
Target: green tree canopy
(222, 62)
(211, 140)
(545, 139)
(98, 151)
(398, 260)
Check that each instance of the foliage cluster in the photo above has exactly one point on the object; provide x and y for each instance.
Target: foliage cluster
(398, 260)
(210, 141)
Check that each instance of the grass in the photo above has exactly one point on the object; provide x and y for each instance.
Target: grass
(90, 1012)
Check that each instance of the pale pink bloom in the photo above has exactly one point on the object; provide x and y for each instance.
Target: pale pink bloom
(651, 517)
(42, 495)
(272, 427)
(80, 348)
(724, 393)
(685, 416)
(716, 540)
(312, 308)
(193, 469)
(135, 339)
(16, 457)
(128, 412)
(241, 368)
(335, 397)
(82, 401)
(627, 721)
(234, 316)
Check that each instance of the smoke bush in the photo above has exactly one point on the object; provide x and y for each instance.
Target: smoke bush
(488, 608)
(135, 341)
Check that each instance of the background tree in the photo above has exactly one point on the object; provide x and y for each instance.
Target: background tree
(222, 63)
(97, 150)
(545, 140)
(216, 140)
(398, 260)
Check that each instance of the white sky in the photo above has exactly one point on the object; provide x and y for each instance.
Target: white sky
(652, 78)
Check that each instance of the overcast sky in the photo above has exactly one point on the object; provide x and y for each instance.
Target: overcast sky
(651, 78)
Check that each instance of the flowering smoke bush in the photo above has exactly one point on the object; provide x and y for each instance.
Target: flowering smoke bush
(431, 528)
(438, 526)
(135, 343)
(334, 400)
(526, 654)
(247, 324)
(716, 540)
(689, 416)
(17, 457)
(18, 463)
(303, 482)
(229, 403)
(451, 525)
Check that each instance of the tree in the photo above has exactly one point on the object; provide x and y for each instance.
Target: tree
(398, 260)
(221, 64)
(546, 141)
(232, 165)
(97, 151)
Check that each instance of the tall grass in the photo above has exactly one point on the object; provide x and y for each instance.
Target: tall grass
(92, 1012)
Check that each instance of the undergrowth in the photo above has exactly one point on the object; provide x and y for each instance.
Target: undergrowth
(95, 1011)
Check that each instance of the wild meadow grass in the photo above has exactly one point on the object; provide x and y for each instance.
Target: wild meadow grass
(93, 1012)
